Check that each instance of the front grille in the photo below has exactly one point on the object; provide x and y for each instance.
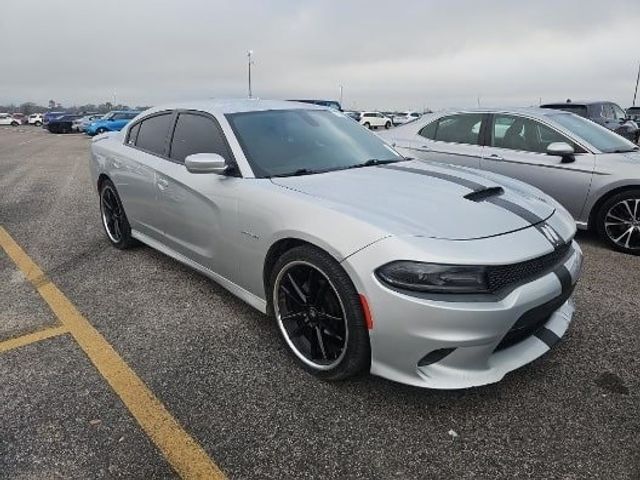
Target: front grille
(503, 276)
(532, 321)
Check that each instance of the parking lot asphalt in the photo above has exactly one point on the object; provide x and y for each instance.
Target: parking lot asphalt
(222, 372)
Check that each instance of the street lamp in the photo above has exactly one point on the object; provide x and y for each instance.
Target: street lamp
(250, 62)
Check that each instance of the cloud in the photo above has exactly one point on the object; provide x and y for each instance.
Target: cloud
(401, 55)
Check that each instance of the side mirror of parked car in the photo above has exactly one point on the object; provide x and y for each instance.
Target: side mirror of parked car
(561, 149)
(205, 163)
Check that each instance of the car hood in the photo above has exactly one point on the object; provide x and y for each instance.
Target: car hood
(414, 198)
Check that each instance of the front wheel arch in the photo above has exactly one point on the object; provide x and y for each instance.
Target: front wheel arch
(276, 250)
(595, 209)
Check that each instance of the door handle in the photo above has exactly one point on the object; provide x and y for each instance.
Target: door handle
(162, 184)
(495, 156)
(116, 164)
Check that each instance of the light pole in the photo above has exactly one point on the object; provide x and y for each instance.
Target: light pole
(635, 93)
(249, 54)
(341, 89)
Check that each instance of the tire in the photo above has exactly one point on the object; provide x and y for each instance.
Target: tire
(618, 221)
(117, 229)
(100, 130)
(38, 124)
(387, 125)
(367, 125)
(332, 325)
(14, 124)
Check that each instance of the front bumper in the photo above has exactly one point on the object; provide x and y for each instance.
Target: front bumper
(407, 327)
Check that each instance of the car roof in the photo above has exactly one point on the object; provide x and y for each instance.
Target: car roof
(579, 103)
(234, 105)
(531, 111)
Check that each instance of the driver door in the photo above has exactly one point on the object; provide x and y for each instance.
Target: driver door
(199, 210)
(517, 148)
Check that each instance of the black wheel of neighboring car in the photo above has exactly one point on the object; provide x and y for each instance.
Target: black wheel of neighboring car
(114, 219)
(319, 314)
(38, 124)
(618, 221)
(100, 130)
(14, 124)
(387, 125)
(367, 125)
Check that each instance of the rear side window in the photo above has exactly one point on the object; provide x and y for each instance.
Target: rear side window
(429, 131)
(463, 128)
(152, 134)
(197, 134)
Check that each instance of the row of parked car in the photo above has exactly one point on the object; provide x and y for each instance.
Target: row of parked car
(91, 123)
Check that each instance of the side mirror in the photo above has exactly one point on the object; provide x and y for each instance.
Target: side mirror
(561, 149)
(205, 163)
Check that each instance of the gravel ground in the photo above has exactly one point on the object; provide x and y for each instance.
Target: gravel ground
(223, 372)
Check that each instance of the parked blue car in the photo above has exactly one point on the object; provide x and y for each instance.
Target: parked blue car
(111, 122)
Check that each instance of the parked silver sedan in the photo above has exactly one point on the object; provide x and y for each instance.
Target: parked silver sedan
(592, 171)
(423, 274)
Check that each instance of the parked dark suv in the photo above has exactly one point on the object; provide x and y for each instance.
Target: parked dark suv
(634, 114)
(607, 114)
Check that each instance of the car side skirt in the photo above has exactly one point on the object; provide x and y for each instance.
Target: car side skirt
(253, 300)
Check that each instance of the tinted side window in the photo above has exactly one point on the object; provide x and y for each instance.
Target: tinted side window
(463, 128)
(133, 134)
(196, 134)
(153, 133)
(429, 131)
(617, 112)
(519, 133)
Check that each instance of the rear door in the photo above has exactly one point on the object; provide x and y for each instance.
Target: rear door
(517, 148)
(454, 139)
(134, 172)
(199, 211)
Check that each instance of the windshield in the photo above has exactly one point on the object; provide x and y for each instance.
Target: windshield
(107, 116)
(603, 139)
(298, 142)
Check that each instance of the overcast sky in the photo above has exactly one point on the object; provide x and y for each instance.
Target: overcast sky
(386, 54)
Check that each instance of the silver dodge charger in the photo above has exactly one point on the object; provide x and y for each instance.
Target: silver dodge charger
(425, 274)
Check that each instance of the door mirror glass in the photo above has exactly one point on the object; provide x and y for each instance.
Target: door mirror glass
(205, 163)
(560, 149)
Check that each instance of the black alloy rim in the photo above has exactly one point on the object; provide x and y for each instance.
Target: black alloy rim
(112, 215)
(311, 315)
(622, 223)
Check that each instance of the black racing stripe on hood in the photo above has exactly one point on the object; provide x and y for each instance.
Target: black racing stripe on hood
(522, 212)
(550, 235)
(470, 184)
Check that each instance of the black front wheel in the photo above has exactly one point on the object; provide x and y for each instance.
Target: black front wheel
(618, 221)
(319, 314)
(114, 219)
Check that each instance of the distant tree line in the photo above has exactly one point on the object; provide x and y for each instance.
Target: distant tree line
(28, 108)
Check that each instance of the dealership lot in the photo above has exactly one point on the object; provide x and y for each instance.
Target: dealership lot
(223, 375)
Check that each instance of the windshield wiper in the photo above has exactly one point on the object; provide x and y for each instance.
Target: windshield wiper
(372, 162)
(297, 173)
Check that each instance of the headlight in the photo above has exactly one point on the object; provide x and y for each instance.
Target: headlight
(435, 278)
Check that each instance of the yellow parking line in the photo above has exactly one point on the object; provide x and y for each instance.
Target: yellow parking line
(183, 453)
(12, 343)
